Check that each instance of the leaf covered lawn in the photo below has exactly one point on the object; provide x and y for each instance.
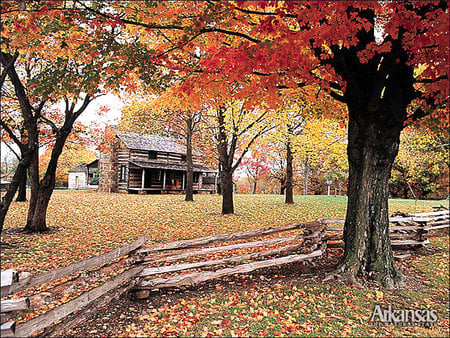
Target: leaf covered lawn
(85, 224)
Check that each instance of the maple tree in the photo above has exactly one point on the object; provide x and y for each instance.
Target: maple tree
(255, 167)
(59, 61)
(334, 44)
(274, 45)
(237, 128)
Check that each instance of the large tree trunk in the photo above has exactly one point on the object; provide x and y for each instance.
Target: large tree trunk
(38, 222)
(189, 163)
(227, 192)
(41, 191)
(34, 193)
(373, 142)
(289, 199)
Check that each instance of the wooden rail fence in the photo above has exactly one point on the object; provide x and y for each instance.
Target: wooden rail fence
(144, 272)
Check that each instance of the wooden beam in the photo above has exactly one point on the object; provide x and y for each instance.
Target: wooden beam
(8, 329)
(332, 221)
(15, 304)
(180, 267)
(73, 268)
(439, 227)
(9, 277)
(433, 213)
(197, 277)
(408, 242)
(86, 312)
(143, 179)
(197, 242)
(39, 323)
(209, 250)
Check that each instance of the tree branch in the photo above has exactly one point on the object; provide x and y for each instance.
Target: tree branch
(7, 67)
(12, 136)
(443, 77)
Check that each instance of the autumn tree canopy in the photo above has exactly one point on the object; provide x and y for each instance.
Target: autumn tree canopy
(364, 54)
(386, 61)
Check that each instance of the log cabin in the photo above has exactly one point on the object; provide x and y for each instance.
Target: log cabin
(136, 163)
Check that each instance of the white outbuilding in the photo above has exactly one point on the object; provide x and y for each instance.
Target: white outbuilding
(78, 177)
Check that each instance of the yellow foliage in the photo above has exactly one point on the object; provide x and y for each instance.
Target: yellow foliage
(72, 155)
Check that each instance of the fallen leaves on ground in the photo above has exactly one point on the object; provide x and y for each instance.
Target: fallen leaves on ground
(87, 224)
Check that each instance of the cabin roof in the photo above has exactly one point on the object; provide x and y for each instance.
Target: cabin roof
(79, 168)
(150, 142)
(171, 166)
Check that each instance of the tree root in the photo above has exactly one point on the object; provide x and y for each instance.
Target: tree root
(344, 277)
(348, 277)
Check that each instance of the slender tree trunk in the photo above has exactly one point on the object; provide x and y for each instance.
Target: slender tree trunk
(227, 192)
(255, 184)
(22, 189)
(21, 170)
(189, 162)
(219, 180)
(289, 175)
(306, 175)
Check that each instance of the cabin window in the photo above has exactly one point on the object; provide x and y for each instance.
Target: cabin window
(183, 158)
(152, 155)
(122, 173)
(196, 177)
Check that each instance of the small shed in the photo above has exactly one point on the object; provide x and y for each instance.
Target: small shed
(78, 177)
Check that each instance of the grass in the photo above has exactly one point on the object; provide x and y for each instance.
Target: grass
(92, 223)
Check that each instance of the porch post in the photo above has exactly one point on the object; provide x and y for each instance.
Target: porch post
(143, 178)
(164, 180)
(184, 181)
(215, 182)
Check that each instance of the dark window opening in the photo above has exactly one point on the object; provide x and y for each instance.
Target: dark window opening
(183, 158)
(152, 155)
(122, 173)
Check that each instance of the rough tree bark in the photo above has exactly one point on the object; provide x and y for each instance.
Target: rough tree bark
(289, 199)
(377, 112)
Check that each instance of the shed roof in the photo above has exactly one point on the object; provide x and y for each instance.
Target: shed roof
(171, 166)
(79, 168)
(151, 142)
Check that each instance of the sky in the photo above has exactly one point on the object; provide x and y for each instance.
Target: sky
(113, 102)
